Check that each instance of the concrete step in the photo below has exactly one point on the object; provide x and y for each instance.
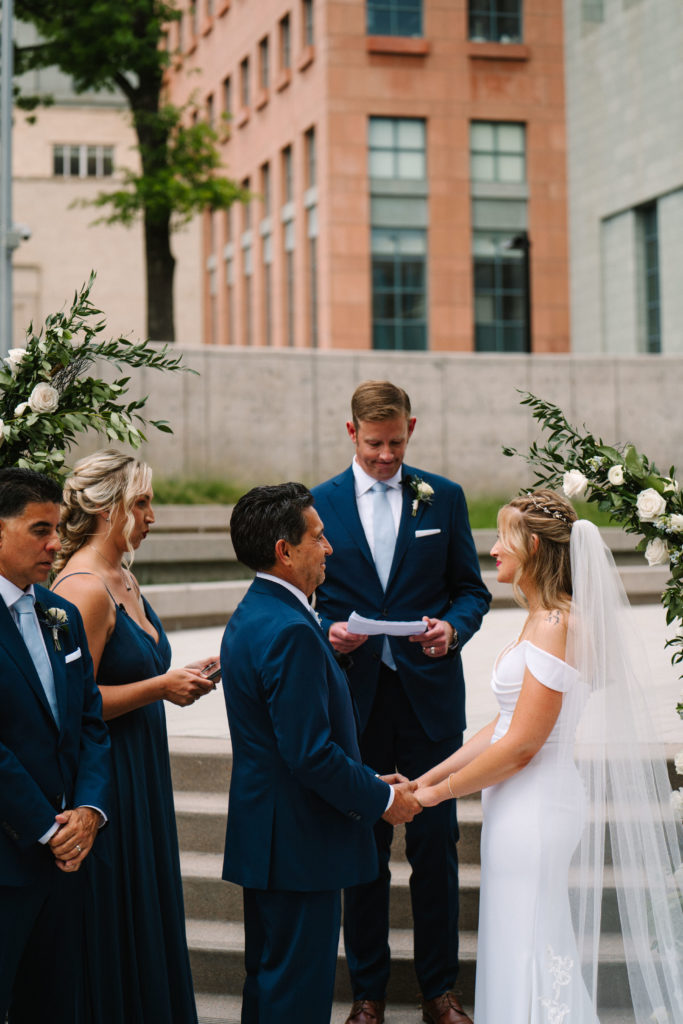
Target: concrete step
(201, 820)
(226, 1010)
(208, 897)
(217, 950)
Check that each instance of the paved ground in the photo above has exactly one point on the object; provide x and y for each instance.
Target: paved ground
(207, 717)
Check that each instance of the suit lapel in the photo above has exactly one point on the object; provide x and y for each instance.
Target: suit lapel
(345, 508)
(12, 642)
(407, 524)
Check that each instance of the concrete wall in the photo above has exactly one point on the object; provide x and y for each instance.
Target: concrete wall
(259, 416)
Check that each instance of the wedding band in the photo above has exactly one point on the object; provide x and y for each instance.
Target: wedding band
(433, 650)
(79, 848)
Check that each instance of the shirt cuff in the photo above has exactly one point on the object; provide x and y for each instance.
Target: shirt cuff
(391, 799)
(49, 834)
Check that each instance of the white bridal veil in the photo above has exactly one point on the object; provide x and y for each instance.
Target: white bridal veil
(631, 843)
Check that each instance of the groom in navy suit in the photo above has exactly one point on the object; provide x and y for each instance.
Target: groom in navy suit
(404, 551)
(302, 805)
(54, 763)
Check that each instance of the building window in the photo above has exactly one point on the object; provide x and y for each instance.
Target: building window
(500, 240)
(311, 204)
(194, 12)
(285, 44)
(287, 216)
(398, 209)
(229, 256)
(397, 148)
(497, 152)
(244, 84)
(83, 161)
(266, 232)
(496, 21)
(399, 289)
(247, 269)
(210, 116)
(650, 236)
(264, 61)
(394, 17)
(227, 96)
(307, 21)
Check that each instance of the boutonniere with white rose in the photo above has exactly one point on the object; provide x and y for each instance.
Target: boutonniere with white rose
(56, 620)
(424, 492)
(624, 484)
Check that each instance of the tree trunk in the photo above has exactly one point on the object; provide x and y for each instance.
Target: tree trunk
(160, 269)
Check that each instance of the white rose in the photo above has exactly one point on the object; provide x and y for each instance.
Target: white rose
(616, 475)
(425, 490)
(657, 552)
(650, 504)
(574, 483)
(21, 409)
(677, 803)
(678, 762)
(14, 358)
(676, 522)
(44, 398)
(59, 614)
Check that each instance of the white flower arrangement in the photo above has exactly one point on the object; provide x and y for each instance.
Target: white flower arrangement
(626, 485)
(57, 621)
(46, 399)
(424, 492)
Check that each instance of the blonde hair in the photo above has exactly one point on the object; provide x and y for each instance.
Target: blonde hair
(377, 400)
(99, 483)
(548, 516)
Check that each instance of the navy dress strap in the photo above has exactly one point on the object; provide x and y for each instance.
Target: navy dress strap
(83, 573)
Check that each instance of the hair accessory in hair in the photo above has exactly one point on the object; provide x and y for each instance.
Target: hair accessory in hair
(556, 513)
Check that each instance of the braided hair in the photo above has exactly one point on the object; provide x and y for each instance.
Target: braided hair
(548, 516)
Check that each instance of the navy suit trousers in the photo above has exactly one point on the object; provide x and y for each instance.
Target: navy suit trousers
(394, 740)
(41, 957)
(290, 953)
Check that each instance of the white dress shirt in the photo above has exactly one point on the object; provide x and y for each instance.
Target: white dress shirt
(364, 499)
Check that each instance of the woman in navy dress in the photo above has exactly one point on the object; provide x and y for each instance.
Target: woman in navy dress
(138, 969)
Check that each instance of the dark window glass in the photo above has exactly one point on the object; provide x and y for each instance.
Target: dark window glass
(394, 17)
(399, 297)
(496, 21)
(500, 292)
(652, 301)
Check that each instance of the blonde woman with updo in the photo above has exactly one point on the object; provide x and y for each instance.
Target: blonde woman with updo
(138, 969)
(568, 760)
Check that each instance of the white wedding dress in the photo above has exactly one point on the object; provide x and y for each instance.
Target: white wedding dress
(527, 960)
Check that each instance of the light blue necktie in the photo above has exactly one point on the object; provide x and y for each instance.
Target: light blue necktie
(33, 638)
(384, 537)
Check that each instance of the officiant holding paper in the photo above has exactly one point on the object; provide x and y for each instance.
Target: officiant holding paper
(403, 551)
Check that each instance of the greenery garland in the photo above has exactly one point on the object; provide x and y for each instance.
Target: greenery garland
(623, 483)
(46, 400)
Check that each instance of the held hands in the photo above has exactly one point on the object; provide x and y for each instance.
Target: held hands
(183, 686)
(435, 639)
(73, 840)
(427, 796)
(404, 806)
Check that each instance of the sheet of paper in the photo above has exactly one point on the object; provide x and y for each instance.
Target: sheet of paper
(375, 627)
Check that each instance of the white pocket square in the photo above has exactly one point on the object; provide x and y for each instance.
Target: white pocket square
(426, 533)
(73, 656)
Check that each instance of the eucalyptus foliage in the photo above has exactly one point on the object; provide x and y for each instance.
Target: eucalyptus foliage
(623, 483)
(47, 396)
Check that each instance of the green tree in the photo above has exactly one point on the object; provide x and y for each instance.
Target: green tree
(119, 44)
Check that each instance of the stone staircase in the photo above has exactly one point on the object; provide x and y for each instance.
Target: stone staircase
(201, 773)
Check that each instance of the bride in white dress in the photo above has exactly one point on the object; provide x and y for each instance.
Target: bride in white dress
(559, 761)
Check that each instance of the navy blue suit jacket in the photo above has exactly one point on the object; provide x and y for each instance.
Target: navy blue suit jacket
(301, 804)
(436, 575)
(44, 767)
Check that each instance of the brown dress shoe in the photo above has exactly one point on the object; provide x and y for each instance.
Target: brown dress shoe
(366, 1011)
(445, 1009)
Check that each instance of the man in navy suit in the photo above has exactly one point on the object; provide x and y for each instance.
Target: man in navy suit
(301, 805)
(404, 551)
(54, 763)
